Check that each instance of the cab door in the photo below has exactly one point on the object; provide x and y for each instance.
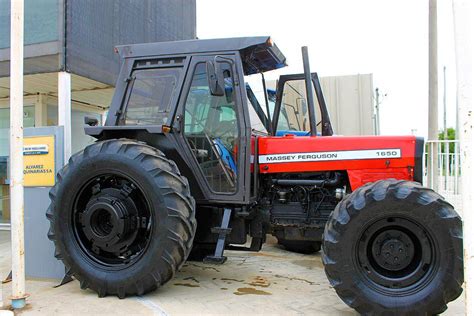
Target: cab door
(212, 131)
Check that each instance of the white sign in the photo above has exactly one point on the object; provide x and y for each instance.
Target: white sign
(40, 149)
(331, 155)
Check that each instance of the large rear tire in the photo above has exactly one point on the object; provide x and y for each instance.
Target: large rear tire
(394, 248)
(122, 218)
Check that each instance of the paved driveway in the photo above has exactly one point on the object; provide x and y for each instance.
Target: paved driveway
(273, 282)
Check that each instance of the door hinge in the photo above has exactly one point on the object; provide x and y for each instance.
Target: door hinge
(177, 124)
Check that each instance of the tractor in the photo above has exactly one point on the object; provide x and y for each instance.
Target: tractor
(189, 164)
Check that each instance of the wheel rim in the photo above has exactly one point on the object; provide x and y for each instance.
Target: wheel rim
(112, 220)
(396, 254)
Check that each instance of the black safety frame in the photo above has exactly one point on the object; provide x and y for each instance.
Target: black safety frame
(326, 129)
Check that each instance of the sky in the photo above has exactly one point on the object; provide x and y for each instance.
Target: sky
(386, 38)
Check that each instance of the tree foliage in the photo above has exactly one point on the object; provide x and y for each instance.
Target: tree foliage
(451, 136)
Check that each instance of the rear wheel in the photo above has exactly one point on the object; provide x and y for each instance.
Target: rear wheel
(394, 247)
(122, 218)
(300, 246)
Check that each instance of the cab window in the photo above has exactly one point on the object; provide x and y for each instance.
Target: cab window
(150, 97)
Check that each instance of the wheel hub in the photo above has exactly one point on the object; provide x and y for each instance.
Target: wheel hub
(106, 221)
(393, 250)
(110, 222)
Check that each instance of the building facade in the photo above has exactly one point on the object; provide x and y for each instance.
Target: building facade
(78, 37)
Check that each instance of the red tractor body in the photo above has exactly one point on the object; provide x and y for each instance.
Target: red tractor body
(365, 158)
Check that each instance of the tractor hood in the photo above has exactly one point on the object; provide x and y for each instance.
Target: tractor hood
(258, 54)
(365, 158)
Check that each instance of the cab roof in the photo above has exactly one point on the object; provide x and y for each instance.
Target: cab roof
(258, 53)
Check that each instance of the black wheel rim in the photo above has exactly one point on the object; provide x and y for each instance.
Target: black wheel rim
(112, 220)
(396, 254)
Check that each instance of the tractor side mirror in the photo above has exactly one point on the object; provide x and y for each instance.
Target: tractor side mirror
(91, 121)
(215, 78)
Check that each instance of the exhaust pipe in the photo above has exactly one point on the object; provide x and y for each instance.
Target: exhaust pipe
(309, 91)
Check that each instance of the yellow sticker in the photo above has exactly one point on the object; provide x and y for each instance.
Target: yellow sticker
(38, 161)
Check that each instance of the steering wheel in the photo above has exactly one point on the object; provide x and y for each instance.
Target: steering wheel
(229, 176)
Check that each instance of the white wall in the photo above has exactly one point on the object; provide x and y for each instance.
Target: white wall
(79, 138)
(350, 103)
(79, 111)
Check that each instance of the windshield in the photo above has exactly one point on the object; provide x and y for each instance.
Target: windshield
(294, 114)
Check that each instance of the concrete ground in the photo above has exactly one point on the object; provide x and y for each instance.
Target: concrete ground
(272, 281)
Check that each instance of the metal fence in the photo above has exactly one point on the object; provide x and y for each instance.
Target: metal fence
(443, 157)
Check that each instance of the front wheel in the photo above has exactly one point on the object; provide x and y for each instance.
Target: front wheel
(122, 218)
(394, 247)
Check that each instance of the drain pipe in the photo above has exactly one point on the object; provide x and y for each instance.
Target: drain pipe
(16, 154)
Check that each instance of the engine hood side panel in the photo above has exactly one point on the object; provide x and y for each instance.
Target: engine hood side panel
(365, 158)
